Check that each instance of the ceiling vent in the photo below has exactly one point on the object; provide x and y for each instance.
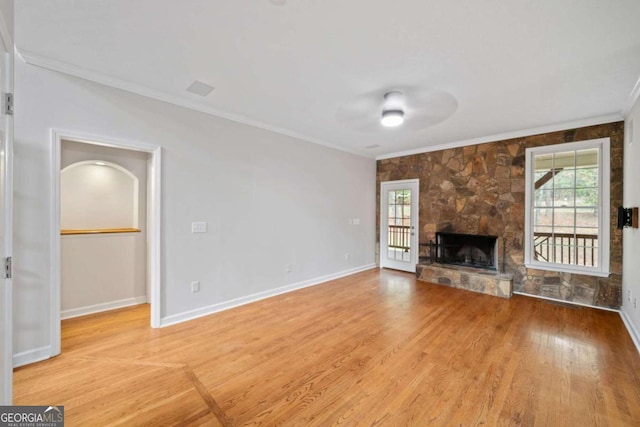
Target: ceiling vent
(200, 88)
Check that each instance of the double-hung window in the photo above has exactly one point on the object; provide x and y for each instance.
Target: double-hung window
(567, 207)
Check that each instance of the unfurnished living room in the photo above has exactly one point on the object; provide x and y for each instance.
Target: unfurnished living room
(319, 213)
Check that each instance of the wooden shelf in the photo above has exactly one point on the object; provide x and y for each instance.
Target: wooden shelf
(100, 231)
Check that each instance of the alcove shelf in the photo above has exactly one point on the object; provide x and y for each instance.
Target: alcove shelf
(100, 231)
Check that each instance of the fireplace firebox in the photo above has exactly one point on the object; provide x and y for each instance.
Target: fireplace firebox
(467, 250)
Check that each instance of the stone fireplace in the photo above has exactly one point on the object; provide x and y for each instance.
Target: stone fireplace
(467, 250)
(480, 189)
(465, 261)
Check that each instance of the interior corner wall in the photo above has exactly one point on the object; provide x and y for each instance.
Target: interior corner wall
(631, 236)
(480, 189)
(269, 199)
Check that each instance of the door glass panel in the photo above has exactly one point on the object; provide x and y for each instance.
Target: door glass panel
(399, 228)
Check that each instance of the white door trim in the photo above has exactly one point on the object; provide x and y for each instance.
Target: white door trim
(415, 221)
(6, 284)
(154, 223)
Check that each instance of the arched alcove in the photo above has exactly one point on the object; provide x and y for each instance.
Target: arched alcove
(98, 196)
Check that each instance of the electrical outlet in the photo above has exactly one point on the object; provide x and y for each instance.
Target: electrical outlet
(288, 268)
(629, 295)
(195, 287)
(635, 303)
(346, 256)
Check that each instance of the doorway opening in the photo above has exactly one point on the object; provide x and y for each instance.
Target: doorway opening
(105, 227)
(103, 209)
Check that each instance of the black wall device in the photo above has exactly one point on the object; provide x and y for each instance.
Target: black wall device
(627, 217)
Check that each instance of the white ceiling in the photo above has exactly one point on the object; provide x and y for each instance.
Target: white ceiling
(509, 66)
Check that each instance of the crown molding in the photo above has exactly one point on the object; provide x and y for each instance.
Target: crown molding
(633, 98)
(508, 135)
(114, 82)
(106, 80)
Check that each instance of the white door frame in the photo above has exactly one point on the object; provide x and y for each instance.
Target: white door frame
(384, 221)
(6, 284)
(154, 223)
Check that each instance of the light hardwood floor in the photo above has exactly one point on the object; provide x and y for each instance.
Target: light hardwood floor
(376, 348)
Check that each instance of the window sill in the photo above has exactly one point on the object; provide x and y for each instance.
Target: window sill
(565, 269)
(100, 231)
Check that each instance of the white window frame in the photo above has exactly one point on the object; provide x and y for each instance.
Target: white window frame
(604, 168)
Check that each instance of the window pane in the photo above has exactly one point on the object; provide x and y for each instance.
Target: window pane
(563, 217)
(565, 178)
(564, 197)
(543, 197)
(542, 216)
(587, 197)
(543, 162)
(405, 197)
(587, 177)
(587, 217)
(587, 158)
(564, 160)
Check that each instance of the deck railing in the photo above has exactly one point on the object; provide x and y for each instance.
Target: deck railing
(399, 237)
(565, 248)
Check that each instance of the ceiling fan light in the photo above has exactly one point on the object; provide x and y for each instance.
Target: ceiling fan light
(392, 118)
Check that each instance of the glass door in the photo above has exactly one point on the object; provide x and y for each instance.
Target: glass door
(399, 224)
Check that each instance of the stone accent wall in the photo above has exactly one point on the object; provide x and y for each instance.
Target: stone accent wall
(479, 189)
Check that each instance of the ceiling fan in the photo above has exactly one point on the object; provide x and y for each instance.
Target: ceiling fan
(408, 108)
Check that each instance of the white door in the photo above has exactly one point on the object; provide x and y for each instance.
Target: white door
(6, 203)
(399, 224)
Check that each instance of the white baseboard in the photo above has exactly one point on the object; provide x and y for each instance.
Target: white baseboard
(31, 356)
(635, 336)
(97, 308)
(205, 311)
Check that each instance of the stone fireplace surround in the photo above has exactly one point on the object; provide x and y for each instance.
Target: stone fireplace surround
(479, 189)
(465, 261)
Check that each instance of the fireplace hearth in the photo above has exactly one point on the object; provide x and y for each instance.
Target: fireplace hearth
(467, 250)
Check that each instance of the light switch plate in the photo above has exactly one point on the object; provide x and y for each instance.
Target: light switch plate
(198, 227)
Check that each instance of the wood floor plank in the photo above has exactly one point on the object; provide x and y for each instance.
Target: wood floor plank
(374, 349)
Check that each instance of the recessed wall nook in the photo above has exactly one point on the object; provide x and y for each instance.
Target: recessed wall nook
(97, 196)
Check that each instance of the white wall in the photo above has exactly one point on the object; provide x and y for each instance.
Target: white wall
(631, 236)
(104, 271)
(101, 272)
(269, 199)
